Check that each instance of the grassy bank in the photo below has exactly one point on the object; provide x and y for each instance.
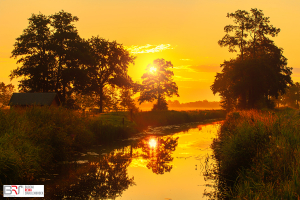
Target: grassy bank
(34, 139)
(258, 155)
(162, 118)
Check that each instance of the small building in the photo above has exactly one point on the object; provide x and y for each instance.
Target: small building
(31, 99)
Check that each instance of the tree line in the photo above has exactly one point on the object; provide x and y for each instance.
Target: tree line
(54, 58)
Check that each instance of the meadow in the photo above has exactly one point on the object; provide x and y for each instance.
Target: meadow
(258, 155)
(35, 139)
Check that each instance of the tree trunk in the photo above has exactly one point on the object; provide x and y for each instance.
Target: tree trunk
(158, 96)
(101, 99)
(242, 47)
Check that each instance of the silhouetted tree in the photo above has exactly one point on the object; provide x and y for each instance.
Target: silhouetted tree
(68, 48)
(260, 70)
(111, 61)
(238, 39)
(126, 99)
(292, 96)
(34, 53)
(6, 92)
(52, 55)
(158, 83)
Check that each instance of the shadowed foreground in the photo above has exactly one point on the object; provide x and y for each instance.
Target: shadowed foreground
(258, 156)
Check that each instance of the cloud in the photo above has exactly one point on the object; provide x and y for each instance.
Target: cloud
(185, 59)
(296, 70)
(180, 78)
(206, 68)
(198, 68)
(183, 67)
(149, 48)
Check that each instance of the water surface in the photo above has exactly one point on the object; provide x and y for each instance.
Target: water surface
(159, 164)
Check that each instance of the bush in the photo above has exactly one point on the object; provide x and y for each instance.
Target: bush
(33, 139)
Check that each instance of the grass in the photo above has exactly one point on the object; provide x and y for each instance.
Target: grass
(34, 139)
(258, 155)
(112, 126)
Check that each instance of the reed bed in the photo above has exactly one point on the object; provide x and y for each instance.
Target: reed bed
(258, 155)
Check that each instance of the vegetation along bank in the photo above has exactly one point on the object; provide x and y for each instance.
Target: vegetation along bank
(258, 155)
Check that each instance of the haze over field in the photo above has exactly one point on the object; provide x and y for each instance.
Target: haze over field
(183, 32)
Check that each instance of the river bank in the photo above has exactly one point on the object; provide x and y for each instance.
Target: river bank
(258, 156)
(33, 140)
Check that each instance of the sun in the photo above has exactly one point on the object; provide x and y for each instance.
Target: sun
(153, 69)
(152, 143)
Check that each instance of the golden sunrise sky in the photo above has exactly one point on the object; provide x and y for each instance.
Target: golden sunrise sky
(184, 32)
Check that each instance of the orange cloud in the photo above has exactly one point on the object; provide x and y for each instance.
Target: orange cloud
(185, 59)
(149, 48)
(180, 78)
(198, 68)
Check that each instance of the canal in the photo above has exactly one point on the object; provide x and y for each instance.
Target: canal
(164, 163)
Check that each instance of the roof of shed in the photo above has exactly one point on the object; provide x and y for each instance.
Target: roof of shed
(33, 99)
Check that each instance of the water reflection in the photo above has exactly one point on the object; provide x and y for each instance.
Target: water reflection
(181, 154)
(106, 179)
(158, 153)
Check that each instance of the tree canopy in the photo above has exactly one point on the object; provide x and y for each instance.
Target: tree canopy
(158, 83)
(259, 71)
(110, 67)
(33, 51)
(51, 52)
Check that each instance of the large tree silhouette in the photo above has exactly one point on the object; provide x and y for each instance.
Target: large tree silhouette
(33, 51)
(111, 61)
(51, 53)
(259, 71)
(158, 83)
(68, 49)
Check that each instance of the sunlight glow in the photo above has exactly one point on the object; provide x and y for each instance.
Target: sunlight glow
(152, 69)
(152, 143)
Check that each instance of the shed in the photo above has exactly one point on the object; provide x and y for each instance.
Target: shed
(30, 99)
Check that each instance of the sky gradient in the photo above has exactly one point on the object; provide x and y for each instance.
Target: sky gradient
(185, 32)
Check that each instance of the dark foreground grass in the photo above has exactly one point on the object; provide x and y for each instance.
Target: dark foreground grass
(258, 156)
(32, 140)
